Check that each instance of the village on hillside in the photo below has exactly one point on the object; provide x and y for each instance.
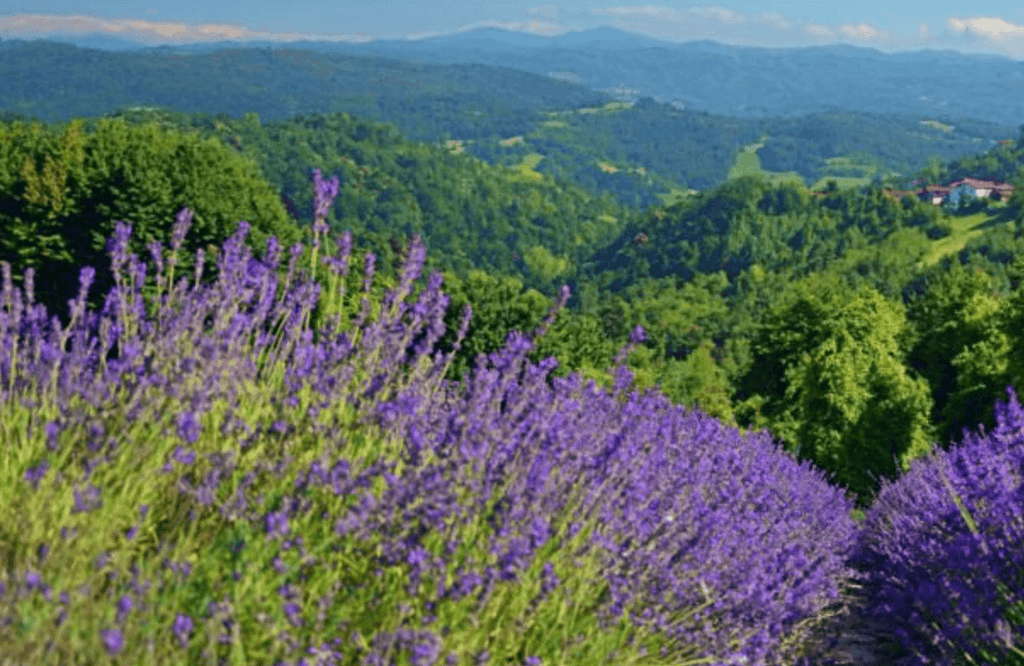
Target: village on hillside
(952, 193)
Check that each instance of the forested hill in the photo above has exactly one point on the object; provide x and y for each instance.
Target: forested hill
(641, 152)
(738, 81)
(471, 216)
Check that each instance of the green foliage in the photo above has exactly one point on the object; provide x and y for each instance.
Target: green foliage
(545, 266)
(961, 348)
(500, 306)
(482, 105)
(1001, 163)
(699, 381)
(470, 215)
(63, 190)
(786, 198)
(996, 360)
(938, 230)
(677, 317)
(728, 229)
(828, 379)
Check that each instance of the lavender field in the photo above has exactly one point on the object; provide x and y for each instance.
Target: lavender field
(235, 488)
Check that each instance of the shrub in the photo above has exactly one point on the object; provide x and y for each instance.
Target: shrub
(938, 230)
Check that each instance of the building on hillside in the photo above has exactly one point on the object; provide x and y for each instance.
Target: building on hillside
(939, 194)
(1004, 190)
(982, 188)
(934, 194)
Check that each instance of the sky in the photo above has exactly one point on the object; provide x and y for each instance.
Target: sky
(989, 27)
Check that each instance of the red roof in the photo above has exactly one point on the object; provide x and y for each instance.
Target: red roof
(980, 184)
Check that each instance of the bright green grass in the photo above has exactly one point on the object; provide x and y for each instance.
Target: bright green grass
(747, 164)
(674, 196)
(842, 182)
(965, 229)
(524, 171)
(609, 107)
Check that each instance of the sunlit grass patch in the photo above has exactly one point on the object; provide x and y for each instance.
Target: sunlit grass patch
(965, 228)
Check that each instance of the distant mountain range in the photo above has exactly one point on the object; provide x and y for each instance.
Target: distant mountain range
(704, 75)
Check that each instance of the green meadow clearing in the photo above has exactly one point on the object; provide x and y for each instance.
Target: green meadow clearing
(748, 164)
(964, 229)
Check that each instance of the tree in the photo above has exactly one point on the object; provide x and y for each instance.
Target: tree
(784, 198)
(1011, 320)
(961, 197)
(934, 169)
(500, 305)
(67, 189)
(827, 378)
(961, 347)
(699, 382)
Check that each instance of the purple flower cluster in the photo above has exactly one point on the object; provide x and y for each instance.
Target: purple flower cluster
(688, 509)
(943, 548)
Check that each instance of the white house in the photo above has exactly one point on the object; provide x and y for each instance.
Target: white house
(982, 188)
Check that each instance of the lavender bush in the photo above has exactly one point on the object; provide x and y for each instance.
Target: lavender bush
(238, 493)
(944, 548)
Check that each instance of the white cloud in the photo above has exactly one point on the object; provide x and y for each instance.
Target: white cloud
(720, 13)
(647, 11)
(515, 26)
(24, 24)
(819, 30)
(988, 27)
(768, 28)
(986, 32)
(861, 31)
(662, 13)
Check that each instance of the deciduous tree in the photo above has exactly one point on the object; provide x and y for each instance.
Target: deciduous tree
(828, 379)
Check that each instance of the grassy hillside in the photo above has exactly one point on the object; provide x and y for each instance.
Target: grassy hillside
(966, 228)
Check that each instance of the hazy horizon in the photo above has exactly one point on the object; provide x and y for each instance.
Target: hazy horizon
(996, 29)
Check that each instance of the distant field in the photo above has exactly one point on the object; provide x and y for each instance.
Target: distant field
(524, 171)
(610, 106)
(842, 182)
(747, 163)
(675, 196)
